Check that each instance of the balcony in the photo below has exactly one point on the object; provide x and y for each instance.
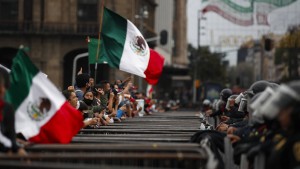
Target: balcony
(53, 28)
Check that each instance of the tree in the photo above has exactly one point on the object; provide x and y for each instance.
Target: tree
(288, 52)
(206, 65)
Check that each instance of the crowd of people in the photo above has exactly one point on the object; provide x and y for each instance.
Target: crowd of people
(100, 104)
(105, 103)
(261, 120)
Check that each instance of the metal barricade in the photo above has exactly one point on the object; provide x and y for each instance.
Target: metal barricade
(244, 162)
(228, 158)
(259, 161)
(157, 141)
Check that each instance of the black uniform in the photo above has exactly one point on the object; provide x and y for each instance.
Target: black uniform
(285, 152)
(7, 124)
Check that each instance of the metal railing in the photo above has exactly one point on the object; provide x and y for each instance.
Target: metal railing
(150, 142)
(25, 27)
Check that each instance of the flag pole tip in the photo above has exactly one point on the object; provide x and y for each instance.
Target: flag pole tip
(24, 48)
(87, 39)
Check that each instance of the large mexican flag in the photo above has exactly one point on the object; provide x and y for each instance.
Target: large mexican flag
(123, 47)
(42, 114)
(243, 12)
(239, 13)
(264, 7)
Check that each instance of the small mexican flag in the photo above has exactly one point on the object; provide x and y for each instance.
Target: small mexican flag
(42, 113)
(123, 47)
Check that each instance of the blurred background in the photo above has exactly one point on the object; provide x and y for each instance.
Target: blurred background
(207, 44)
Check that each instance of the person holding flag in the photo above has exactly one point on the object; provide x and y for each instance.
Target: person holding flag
(8, 142)
(122, 46)
(42, 113)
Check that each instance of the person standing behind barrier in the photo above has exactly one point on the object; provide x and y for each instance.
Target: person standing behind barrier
(91, 82)
(71, 98)
(220, 106)
(98, 92)
(121, 84)
(88, 98)
(105, 86)
(284, 105)
(121, 110)
(112, 106)
(8, 142)
(206, 105)
(82, 85)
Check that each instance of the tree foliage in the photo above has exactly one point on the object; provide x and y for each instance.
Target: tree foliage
(206, 65)
(287, 53)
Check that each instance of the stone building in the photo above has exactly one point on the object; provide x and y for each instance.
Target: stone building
(55, 32)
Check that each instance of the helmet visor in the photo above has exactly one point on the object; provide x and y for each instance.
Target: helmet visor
(239, 98)
(219, 105)
(262, 98)
(243, 105)
(282, 98)
(230, 103)
(257, 118)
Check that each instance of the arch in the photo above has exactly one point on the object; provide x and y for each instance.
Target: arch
(6, 56)
(68, 65)
(102, 71)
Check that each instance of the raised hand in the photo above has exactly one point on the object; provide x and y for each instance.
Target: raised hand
(80, 71)
(100, 91)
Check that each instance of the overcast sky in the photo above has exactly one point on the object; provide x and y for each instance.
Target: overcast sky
(215, 29)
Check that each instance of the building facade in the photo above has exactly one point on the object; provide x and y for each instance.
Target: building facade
(171, 17)
(255, 63)
(55, 32)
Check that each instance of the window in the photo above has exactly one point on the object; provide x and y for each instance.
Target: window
(87, 11)
(28, 5)
(9, 10)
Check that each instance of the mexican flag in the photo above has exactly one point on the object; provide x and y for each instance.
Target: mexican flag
(42, 113)
(242, 12)
(123, 47)
(264, 7)
(237, 12)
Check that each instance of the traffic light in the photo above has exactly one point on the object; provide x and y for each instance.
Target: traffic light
(268, 44)
(163, 37)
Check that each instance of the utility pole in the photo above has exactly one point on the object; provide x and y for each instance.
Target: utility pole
(195, 61)
(143, 14)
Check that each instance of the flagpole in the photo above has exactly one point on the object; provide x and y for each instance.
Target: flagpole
(99, 36)
(89, 65)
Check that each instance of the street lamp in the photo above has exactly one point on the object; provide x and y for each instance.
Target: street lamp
(143, 14)
(199, 17)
